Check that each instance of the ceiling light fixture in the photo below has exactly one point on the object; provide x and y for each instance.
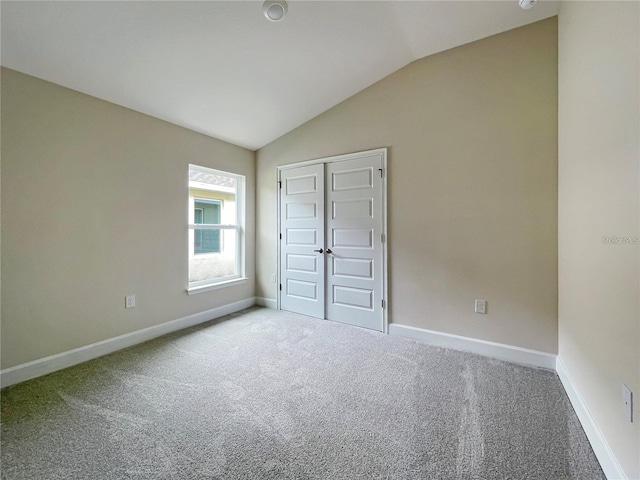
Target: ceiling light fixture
(274, 10)
(526, 4)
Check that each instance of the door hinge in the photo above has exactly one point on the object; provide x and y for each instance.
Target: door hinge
(279, 184)
(382, 303)
(382, 238)
(280, 236)
(280, 286)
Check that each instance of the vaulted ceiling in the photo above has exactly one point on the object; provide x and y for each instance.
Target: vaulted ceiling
(222, 69)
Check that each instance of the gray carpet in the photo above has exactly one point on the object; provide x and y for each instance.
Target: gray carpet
(273, 395)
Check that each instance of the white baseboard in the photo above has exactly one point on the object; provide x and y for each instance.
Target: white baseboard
(267, 302)
(601, 448)
(43, 366)
(489, 349)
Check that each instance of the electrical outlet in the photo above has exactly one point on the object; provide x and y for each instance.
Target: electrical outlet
(273, 278)
(627, 403)
(129, 301)
(481, 306)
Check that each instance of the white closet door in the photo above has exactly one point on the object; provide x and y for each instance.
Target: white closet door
(354, 249)
(302, 262)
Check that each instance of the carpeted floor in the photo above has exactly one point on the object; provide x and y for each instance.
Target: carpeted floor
(273, 395)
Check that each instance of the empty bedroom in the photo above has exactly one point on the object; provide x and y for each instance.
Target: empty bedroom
(320, 240)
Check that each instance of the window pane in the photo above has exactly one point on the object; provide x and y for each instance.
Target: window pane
(206, 241)
(207, 211)
(222, 264)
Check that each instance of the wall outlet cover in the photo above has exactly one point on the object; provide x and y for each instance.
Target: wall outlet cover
(481, 306)
(129, 301)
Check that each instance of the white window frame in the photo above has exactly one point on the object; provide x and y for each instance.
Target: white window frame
(239, 277)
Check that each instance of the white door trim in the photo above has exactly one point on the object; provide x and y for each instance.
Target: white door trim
(341, 158)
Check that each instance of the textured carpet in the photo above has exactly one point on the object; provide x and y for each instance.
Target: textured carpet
(273, 395)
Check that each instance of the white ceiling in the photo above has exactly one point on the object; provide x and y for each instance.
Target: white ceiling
(222, 69)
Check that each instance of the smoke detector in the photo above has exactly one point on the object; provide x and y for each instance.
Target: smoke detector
(274, 10)
(526, 4)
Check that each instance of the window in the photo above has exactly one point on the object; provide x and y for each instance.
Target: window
(216, 228)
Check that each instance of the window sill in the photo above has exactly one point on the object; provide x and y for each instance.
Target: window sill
(216, 286)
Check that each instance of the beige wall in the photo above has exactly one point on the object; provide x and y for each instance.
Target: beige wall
(94, 207)
(599, 169)
(472, 137)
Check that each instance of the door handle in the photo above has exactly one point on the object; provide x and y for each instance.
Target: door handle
(319, 251)
(329, 251)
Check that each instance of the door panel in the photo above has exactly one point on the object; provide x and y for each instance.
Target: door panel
(349, 209)
(302, 272)
(353, 267)
(351, 179)
(302, 289)
(301, 237)
(352, 238)
(354, 235)
(353, 297)
(302, 184)
(302, 263)
(299, 211)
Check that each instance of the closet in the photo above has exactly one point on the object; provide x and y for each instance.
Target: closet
(331, 238)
